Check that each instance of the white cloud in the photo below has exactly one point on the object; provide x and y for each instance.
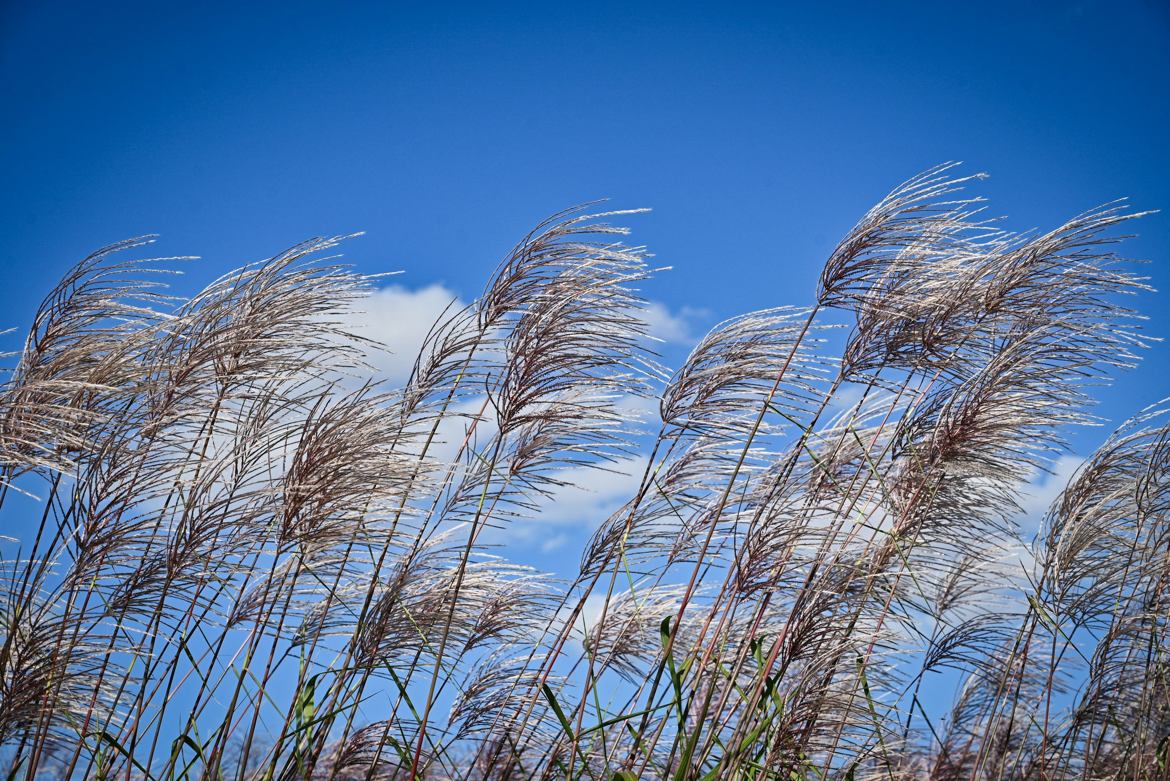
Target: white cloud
(591, 494)
(591, 612)
(472, 416)
(587, 618)
(846, 397)
(1043, 489)
(398, 319)
(554, 543)
(671, 327)
(1036, 496)
(638, 410)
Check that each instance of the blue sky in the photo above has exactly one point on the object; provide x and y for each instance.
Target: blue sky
(757, 133)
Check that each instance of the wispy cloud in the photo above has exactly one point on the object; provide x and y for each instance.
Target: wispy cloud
(1043, 489)
(1036, 496)
(587, 497)
(673, 327)
(592, 494)
(399, 318)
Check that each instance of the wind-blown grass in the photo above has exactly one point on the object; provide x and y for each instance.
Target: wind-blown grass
(242, 563)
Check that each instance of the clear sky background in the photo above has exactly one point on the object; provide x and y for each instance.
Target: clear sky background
(758, 133)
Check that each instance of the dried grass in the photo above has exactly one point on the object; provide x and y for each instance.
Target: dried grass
(245, 567)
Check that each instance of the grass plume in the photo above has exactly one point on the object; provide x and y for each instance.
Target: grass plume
(240, 562)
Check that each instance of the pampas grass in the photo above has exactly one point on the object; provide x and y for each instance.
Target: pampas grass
(238, 562)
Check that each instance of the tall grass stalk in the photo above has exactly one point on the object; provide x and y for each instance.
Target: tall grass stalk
(233, 555)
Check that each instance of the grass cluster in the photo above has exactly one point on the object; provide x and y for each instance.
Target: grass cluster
(238, 562)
